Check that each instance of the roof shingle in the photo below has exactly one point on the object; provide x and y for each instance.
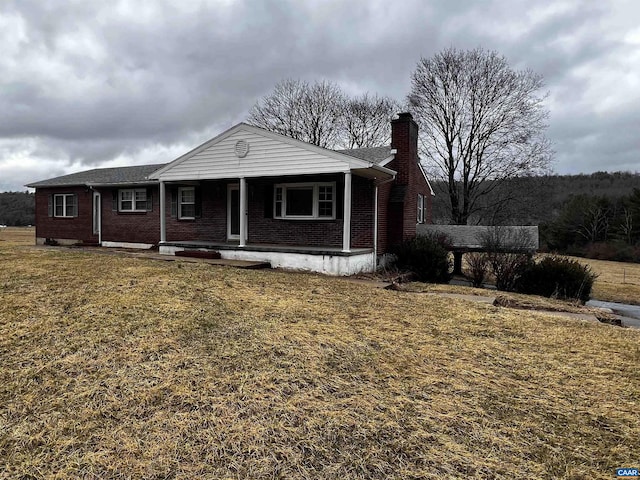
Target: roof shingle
(372, 154)
(101, 176)
(140, 174)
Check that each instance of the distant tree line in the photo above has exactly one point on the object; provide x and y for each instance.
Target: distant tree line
(595, 215)
(17, 209)
(597, 226)
(538, 200)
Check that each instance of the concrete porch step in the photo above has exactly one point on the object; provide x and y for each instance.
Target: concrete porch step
(245, 264)
(198, 254)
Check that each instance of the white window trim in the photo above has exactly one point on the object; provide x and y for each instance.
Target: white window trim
(420, 208)
(316, 200)
(64, 197)
(133, 208)
(180, 203)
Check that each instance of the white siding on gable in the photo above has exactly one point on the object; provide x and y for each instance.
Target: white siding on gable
(266, 157)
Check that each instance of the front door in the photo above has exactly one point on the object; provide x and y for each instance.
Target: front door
(233, 212)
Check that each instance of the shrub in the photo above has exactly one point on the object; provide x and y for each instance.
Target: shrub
(426, 258)
(509, 252)
(477, 267)
(507, 268)
(557, 277)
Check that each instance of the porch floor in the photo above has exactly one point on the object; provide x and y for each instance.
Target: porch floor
(264, 247)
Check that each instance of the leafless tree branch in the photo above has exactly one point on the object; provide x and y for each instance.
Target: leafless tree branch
(481, 123)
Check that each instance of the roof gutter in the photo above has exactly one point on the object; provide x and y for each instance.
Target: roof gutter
(123, 184)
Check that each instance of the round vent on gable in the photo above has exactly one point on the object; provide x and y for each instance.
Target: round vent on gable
(242, 148)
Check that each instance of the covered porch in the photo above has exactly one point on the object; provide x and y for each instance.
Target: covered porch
(254, 195)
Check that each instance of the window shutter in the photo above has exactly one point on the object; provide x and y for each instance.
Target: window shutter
(50, 205)
(114, 200)
(268, 201)
(75, 205)
(149, 200)
(174, 202)
(197, 192)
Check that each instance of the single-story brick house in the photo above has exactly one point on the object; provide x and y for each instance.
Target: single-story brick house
(250, 194)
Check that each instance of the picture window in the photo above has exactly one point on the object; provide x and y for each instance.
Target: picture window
(305, 201)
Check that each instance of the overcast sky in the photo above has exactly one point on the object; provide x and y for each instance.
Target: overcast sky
(87, 84)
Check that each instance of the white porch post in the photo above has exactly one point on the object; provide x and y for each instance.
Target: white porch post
(163, 223)
(346, 226)
(375, 224)
(243, 211)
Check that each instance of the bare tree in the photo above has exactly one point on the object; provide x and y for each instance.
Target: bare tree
(626, 226)
(321, 114)
(481, 123)
(367, 121)
(595, 220)
(311, 113)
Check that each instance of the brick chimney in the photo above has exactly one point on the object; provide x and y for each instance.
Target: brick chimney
(403, 192)
(404, 138)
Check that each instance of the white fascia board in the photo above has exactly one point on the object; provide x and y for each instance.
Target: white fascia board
(384, 170)
(379, 174)
(351, 162)
(424, 174)
(387, 160)
(124, 184)
(195, 179)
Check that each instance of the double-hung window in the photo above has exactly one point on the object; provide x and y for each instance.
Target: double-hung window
(421, 208)
(132, 200)
(186, 203)
(305, 200)
(65, 205)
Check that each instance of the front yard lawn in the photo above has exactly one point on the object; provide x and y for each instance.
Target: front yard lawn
(119, 367)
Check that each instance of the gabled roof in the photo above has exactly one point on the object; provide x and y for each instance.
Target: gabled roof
(368, 162)
(102, 176)
(268, 154)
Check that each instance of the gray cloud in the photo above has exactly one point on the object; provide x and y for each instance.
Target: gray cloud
(85, 84)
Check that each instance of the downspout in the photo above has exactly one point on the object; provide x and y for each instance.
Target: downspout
(375, 225)
(163, 224)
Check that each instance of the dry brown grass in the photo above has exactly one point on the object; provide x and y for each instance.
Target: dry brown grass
(120, 367)
(616, 282)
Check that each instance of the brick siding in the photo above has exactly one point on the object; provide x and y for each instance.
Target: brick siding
(78, 229)
(263, 228)
(130, 227)
(396, 221)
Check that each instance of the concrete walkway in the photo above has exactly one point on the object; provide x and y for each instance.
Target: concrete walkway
(490, 300)
(629, 314)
